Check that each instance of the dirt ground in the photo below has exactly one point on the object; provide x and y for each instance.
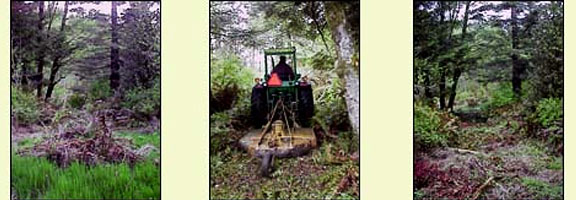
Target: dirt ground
(494, 161)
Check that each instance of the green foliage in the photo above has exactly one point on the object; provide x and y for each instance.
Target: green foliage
(541, 189)
(76, 101)
(219, 131)
(229, 72)
(419, 194)
(25, 108)
(331, 111)
(548, 111)
(139, 140)
(500, 95)
(59, 114)
(28, 142)
(99, 90)
(144, 100)
(546, 65)
(428, 130)
(117, 181)
(230, 83)
(322, 61)
(555, 164)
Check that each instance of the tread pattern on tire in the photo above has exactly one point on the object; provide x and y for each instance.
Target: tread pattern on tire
(305, 105)
(258, 107)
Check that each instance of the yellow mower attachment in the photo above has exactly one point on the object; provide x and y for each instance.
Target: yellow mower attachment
(278, 139)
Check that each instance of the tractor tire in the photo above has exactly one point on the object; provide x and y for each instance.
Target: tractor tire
(305, 105)
(258, 109)
(265, 166)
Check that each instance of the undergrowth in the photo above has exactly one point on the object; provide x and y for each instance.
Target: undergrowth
(25, 108)
(429, 128)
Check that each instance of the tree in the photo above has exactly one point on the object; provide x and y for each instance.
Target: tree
(517, 69)
(114, 50)
(38, 78)
(23, 29)
(56, 62)
(140, 41)
(458, 68)
(342, 19)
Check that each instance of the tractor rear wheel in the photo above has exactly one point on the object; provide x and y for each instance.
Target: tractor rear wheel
(305, 105)
(258, 109)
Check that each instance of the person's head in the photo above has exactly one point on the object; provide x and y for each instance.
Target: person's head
(283, 59)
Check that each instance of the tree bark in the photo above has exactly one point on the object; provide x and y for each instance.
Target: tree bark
(114, 52)
(446, 45)
(40, 49)
(517, 69)
(339, 24)
(56, 62)
(24, 76)
(458, 68)
(442, 86)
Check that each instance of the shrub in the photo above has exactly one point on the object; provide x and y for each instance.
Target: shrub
(330, 109)
(500, 96)
(428, 128)
(100, 89)
(24, 106)
(77, 101)
(144, 100)
(549, 111)
(219, 131)
(230, 80)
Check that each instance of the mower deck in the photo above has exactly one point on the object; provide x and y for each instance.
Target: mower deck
(303, 140)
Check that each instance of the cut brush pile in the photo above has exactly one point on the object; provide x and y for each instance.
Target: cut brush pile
(77, 145)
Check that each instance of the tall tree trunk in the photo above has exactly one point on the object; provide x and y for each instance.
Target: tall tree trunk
(442, 86)
(458, 68)
(114, 52)
(56, 62)
(452, 11)
(339, 23)
(40, 57)
(517, 68)
(24, 76)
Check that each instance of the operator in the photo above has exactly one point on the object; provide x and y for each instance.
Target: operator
(283, 70)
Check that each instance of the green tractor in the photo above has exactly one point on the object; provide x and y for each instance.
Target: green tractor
(281, 110)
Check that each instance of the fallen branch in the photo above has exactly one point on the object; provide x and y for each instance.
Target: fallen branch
(464, 151)
(479, 190)
(331, 135)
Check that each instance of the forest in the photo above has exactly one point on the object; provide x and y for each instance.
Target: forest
(85, 100)
(488, 100)
(325, 37)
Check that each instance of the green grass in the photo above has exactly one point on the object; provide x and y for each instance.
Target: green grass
(38, 178)
(140, 139)
(555, 164)
(541, 189)
(28, 142)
